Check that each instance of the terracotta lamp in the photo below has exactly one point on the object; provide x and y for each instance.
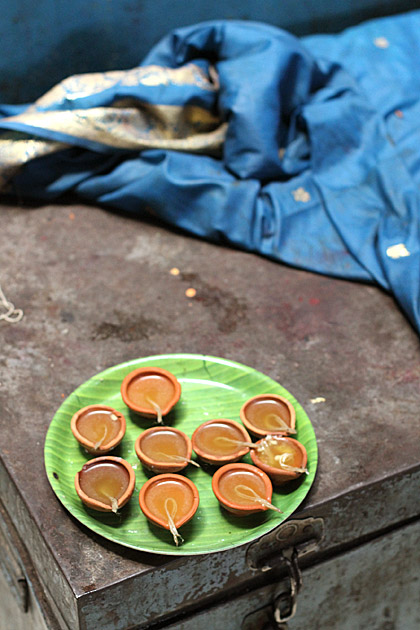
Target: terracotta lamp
(105, 483)
(169, 501)
(282, 458)
(164, 449)
(98, 428)
(220, 441)
(243, 489)
(268, 413)
(151, 392)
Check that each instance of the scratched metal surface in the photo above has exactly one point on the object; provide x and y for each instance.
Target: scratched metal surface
(96, 290)
(344, 593)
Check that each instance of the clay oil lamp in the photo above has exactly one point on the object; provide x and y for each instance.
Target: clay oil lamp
(151, 392)
(164, 449)
(243, 489)
(282, 458)
(268, 413)
(98, 428)
(220, 442)
(169, 501)
(105, 483)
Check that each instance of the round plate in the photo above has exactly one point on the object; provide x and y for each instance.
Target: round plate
(211, 388)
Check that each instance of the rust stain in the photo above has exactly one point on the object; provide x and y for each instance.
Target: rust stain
(125, 328)
(227, 310)
(89, 587)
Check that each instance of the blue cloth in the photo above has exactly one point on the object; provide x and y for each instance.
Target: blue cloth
(320, 166)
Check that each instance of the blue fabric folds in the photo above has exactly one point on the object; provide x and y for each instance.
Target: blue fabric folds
(320, 164)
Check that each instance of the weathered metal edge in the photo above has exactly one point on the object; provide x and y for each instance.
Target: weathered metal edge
(254, 608)
(191, 584)
(54, 584)
(52, 620)
(366, 510)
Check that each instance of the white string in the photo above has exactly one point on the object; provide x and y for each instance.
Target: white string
(254, 496)
(176, 458)
(158, 410)
(12, 314)
(282, 461)
(178, 540)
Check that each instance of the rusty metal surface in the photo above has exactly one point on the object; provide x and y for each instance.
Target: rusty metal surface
(96, 290)
(28, 608)
(345, 593)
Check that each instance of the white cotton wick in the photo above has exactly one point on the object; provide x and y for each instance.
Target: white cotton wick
(157, 409)
(282, 461)
(251, 494)
(178, 540)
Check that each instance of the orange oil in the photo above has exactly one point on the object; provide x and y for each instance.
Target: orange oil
(151, 388)
(178, 491)
(229, 481)
(99, 426)
(267, 454)
(207, 439)
(103, 481)
(263, 414)
(168, 443)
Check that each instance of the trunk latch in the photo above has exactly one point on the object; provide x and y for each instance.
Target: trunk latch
(282, 549)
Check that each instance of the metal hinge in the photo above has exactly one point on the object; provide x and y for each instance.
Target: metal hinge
(282, 549)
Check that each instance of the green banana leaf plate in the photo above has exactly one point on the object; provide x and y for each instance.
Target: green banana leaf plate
(211, 388)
